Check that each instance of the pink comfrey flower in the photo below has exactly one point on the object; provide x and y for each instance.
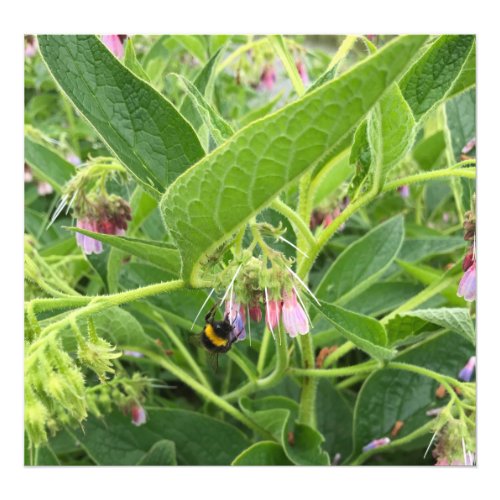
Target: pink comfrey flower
(114, 44)
(273, 310)
(30, 46)
(467, 371)
(268, 78)
(301, 68)
(28, 173)
(44, 188)
(86, 243)
(255, 312)
(467, 285)
(138, 414)
(294, 317)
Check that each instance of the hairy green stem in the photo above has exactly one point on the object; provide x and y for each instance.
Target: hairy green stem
(338, 353)
(368, 366)
(266, 340)
(272, 379)
(421, 431)
(102, 303)
(300, 227)
(445, 380)
(325, 235)
(307, 405)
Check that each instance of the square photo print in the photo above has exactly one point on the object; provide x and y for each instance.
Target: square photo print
(250, 250)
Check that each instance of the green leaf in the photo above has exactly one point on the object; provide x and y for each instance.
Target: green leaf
(332, 177)
(47, 164)
(362, 262)
(461, 120)
(366, 333)
(131, 62)
(161, 453)
(418, 249)
(334, 419)
(199, 440)
(262, 453)
(255, 114)
(389, 395)
(432, 77)
(277, 414)
(457, 320)
(428, 275)
(212, 200)
(381, 298)
(142, 128)
(204, 83)
(428, 152)
(151, 251)
(218, 128)
(390, 132)
(279, 46)
(467, 77)
(328, 75)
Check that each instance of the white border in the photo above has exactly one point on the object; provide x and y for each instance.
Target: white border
(328, 17)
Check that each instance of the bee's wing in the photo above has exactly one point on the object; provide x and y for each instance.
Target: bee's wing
(194, 339)
(213, 361)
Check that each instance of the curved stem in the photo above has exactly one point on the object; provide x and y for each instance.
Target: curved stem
(266, 339)
(299, 225)
(325, 235)
(272, 379)
(307, 405)
(368, 366)
(445, 380)
(207, 394)
(421, 431)
(338, 353)
(98, 304)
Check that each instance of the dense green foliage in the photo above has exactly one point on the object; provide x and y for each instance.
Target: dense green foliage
(189, 170)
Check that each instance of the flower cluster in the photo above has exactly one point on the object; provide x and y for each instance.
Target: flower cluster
(275, 289)
(267, 77)
(467, 285)
(103, 214)
(325, 216)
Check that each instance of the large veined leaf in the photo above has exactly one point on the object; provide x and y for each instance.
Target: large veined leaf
(144, 130)
(456, 319)
(151, 251)
(199, 439)
(366, 333)
(262, 453)
(212, 200)
(434, 74)
(276, 414)
(362, 262)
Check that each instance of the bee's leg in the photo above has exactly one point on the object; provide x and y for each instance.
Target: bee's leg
(211, 314)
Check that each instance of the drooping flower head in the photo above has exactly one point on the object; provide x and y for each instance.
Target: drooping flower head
(138, 414)
(273, 311)
(108, 215)
(267, 78)
(467, 371)
(294, 317)
(114, 44)
(467, 285)
(235, 312)
(301, 68)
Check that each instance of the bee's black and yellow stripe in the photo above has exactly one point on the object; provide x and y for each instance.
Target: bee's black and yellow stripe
(212, 336)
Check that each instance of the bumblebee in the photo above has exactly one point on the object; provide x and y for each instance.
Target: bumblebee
(218, 336)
